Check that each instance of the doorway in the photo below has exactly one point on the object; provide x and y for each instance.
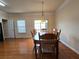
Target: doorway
(1, 32)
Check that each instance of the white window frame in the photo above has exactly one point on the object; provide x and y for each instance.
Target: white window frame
(40, 22)
(21, 27)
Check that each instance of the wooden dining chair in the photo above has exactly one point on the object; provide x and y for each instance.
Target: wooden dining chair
(56, 31)
(36, 45)
(48, 44)
(58, 34)
(33, 32)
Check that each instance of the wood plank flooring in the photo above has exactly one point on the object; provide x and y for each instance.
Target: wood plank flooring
(23, 49)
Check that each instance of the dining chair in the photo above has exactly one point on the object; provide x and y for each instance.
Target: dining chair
(56, 31)
(58, 34)
(33, 32)
(36, 45)
(48, 44)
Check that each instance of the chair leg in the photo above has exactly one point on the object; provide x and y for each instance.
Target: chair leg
(57, 51)
(35, 52)
(40, 53)
(41, 56)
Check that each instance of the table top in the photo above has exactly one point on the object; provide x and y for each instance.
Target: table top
(36, 37)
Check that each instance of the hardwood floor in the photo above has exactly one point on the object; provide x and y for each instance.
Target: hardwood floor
(66, 53)
(23, 49)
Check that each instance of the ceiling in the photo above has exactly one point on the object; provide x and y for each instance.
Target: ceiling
(21, 6)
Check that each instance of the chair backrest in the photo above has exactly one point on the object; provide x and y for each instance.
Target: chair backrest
(48, 36)
(54, 30)
(58, 33)
(48, 43)
(33, 32)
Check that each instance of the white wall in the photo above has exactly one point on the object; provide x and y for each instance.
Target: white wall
(29, 17)
(67, 18)
(3, 15)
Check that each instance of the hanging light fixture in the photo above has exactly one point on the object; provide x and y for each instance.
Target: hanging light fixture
(42, 17)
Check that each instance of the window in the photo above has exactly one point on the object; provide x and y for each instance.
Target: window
(21, 26)
(39, 24)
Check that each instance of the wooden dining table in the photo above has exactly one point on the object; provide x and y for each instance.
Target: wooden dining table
(36, 37)
(37, 41)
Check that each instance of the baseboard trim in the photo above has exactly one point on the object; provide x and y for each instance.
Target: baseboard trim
(70, 47)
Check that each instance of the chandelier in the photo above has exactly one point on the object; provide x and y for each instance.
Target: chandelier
(42, 17)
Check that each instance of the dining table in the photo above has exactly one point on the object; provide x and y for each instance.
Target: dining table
(37, 40)
(41, 33)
